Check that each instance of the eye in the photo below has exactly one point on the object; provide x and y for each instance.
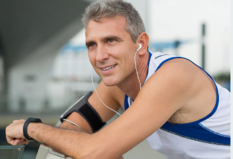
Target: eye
(91, 45)
(111, 40)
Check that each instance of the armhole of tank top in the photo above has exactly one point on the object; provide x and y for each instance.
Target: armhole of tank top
(126, 104)
(216, 89)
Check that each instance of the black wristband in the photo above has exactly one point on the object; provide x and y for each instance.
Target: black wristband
(25, 126)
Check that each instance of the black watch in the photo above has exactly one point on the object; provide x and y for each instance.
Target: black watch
(25, 126)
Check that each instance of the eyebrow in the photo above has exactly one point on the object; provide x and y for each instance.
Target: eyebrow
(104, 39)
(111, 37)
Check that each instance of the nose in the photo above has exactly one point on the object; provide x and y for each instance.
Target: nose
(101, 53)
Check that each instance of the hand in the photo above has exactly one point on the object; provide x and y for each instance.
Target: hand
(14, 133)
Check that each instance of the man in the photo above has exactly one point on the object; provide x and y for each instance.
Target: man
(168, 100)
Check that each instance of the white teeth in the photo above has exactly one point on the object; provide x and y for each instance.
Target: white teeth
(107, 68)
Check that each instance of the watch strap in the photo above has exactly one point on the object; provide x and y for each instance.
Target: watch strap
(25, 126)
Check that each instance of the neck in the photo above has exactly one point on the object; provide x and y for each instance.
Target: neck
(131, 85)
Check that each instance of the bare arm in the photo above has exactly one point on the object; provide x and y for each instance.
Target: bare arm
(105, 114)
(107, 96)
(70, 126)
(153, 106)
(81, 122)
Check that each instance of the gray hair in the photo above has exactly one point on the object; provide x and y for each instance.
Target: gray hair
(111, 8)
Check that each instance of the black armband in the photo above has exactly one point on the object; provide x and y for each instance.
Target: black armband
(83, 107)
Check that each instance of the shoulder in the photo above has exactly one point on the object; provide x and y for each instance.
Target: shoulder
(174, 80)
(177, 70)
(185, 86)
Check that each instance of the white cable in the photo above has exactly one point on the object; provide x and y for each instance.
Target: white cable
(100, 99)
(136, 68)
(72, 122)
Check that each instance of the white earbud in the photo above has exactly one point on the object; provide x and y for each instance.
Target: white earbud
(140, 46)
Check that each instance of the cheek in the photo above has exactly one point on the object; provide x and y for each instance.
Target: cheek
(93, 62)
(91, 59)
(129, 61)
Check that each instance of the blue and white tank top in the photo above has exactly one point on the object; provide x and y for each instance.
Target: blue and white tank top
(207, 138)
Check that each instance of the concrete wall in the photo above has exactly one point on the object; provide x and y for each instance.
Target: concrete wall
(31, 75)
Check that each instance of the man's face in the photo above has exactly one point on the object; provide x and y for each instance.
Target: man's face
(111, 49)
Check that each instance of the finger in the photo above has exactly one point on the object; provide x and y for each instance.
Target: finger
(23, 142)
(10, 140)
(26, 142)
(17, 142)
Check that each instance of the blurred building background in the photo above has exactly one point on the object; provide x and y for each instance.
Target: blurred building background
(44, 65)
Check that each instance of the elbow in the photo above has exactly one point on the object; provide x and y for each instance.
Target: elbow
(88, 153)
(95, 148)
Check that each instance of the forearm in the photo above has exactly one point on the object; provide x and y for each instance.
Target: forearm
(70, 126)
(71, 143)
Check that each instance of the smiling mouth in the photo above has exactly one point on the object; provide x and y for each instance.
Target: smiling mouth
(108, 68)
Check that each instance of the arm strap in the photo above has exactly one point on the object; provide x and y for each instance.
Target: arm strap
(84, 108)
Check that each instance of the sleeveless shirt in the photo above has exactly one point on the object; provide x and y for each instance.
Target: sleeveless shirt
(206, 138)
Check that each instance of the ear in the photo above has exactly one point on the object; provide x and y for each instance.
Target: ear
(143, 39)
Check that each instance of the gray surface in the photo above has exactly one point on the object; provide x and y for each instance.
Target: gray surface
(11, 152)
(42, 152)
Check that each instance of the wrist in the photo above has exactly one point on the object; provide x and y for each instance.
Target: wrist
(28, 122)
(32, 129)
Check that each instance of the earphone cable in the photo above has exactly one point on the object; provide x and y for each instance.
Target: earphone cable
(72, 123)
(137, 69)
(100, 98)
